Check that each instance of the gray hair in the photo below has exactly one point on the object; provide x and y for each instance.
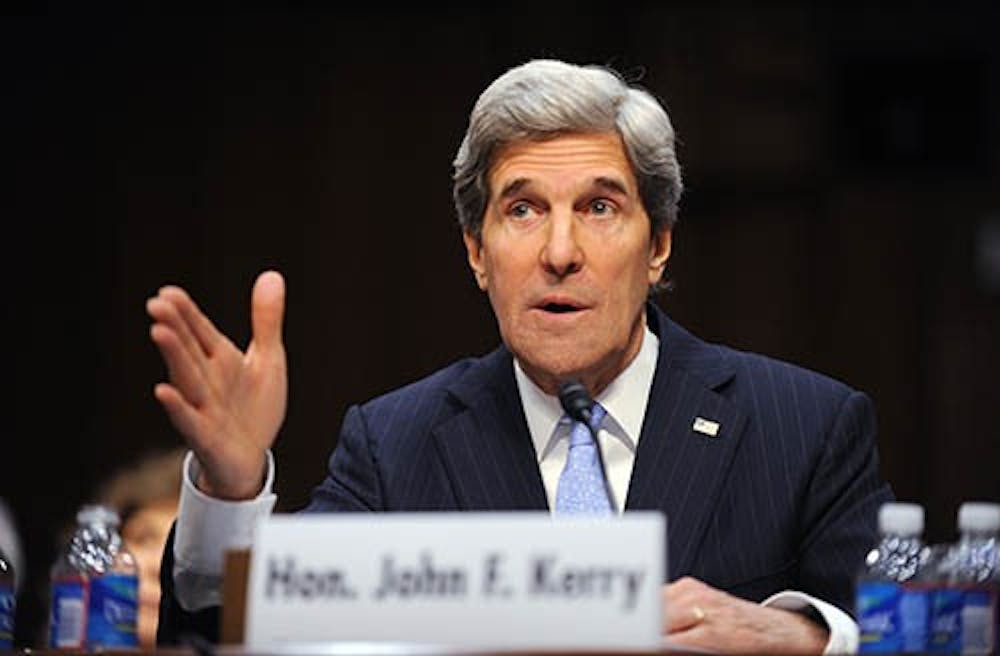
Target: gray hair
(545, 98)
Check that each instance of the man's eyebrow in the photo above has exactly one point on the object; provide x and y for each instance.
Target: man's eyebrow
(611, 184)
(604, 182)
(513, 187)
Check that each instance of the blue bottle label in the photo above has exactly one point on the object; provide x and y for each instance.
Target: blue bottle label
(68, 621)
(979, 613)
(945, 621)
(913, 613)
(113, 609)
(878, 616)
(7, 608)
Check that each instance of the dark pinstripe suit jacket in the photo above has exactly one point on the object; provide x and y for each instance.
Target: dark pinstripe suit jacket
(784, 497)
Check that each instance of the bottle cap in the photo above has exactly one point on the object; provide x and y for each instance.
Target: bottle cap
(979, 516)
(901, 518)
(97, 514)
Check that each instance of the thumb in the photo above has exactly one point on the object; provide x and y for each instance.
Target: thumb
(267, 309)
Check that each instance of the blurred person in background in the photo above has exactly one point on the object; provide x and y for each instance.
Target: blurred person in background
(145, 495)
(12, 555)
(10, 543)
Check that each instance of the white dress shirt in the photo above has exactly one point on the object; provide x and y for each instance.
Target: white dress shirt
(208, 527)
(625, 402)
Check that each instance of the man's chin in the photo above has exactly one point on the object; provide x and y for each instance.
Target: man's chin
(550, 372)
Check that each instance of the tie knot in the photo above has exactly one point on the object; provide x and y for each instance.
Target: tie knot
(579, 434)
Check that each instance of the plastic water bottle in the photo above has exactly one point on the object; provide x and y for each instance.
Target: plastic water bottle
(892, 613)
(70, 586)
(996, 588)
(95, 587)
(944, 621)
(973, 569)
(8, 604)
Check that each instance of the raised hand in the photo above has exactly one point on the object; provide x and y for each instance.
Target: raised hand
(228, 404)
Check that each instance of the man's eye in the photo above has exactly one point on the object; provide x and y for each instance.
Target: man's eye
(520, 210)
(601, 207)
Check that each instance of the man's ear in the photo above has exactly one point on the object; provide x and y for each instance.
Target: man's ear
(659, 253)
(474, 249)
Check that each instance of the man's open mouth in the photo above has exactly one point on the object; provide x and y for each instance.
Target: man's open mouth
(560, 308)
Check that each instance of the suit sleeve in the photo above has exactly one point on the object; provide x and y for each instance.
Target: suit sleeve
(839, 523)
(176, 625)
(352, 483)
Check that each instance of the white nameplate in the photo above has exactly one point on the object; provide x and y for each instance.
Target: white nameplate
(480, 580)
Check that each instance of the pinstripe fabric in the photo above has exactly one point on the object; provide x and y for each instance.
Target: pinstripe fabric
(785, 496)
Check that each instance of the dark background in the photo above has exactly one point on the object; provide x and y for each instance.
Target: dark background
(842, 212)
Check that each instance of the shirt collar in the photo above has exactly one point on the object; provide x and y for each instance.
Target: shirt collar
(625, 400)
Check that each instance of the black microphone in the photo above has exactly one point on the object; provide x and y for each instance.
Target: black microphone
(576, 403)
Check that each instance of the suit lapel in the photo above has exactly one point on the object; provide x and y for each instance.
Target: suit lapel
(680, 470)
(486, 447)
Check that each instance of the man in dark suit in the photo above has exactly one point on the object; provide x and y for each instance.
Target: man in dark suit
(566, 187)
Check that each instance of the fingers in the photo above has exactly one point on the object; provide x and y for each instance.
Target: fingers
(188, 341)
(686, 603)
(696, 640)
(267, 309)
(207, 337)
(689, 604)
(168, 316)
(685, 617)
(182, 414)
(184, 372)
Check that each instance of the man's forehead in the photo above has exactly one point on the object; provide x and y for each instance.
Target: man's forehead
(590, 159)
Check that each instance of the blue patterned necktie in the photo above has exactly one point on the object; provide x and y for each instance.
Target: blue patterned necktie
(582, 489)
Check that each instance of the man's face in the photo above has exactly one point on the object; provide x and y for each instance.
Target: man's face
(567, 257)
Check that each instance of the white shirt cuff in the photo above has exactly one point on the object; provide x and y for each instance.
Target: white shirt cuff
(208, 527)
(843, 630)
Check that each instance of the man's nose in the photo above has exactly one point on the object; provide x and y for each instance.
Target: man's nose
(562, 254)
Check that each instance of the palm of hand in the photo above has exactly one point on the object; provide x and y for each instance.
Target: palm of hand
(241, 421)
